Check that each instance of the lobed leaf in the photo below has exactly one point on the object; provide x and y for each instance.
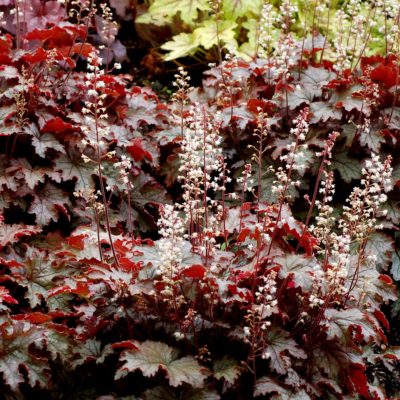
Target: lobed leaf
(151, 356)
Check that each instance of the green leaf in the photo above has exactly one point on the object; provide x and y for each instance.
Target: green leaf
(151, 356)
(349, 132)
(227, 369)
(207, 35)
(348, 168)
(166, 9)
(267, 182)
(372, 138)
(248, 49)
(266, 385)
(239, 8)
(182, 45)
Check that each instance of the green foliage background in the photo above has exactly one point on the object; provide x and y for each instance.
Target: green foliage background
(194, 30)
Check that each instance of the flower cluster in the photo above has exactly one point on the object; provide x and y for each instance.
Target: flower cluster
(202, 172)
(171, 228)
(267, 20)
(291, 160)
(359, 217)
(124, 167)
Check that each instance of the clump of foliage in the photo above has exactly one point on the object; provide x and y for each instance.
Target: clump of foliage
(201, 28)
(238, 241)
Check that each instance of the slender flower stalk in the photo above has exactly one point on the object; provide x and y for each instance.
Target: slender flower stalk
(326, 157)
(291, 164)
(97, 131)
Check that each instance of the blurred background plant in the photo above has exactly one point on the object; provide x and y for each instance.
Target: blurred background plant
(198, 28)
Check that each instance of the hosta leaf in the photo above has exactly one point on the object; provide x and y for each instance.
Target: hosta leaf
(152, 356)
(227, 369)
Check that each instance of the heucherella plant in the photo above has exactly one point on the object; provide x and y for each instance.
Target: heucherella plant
(238, 241)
